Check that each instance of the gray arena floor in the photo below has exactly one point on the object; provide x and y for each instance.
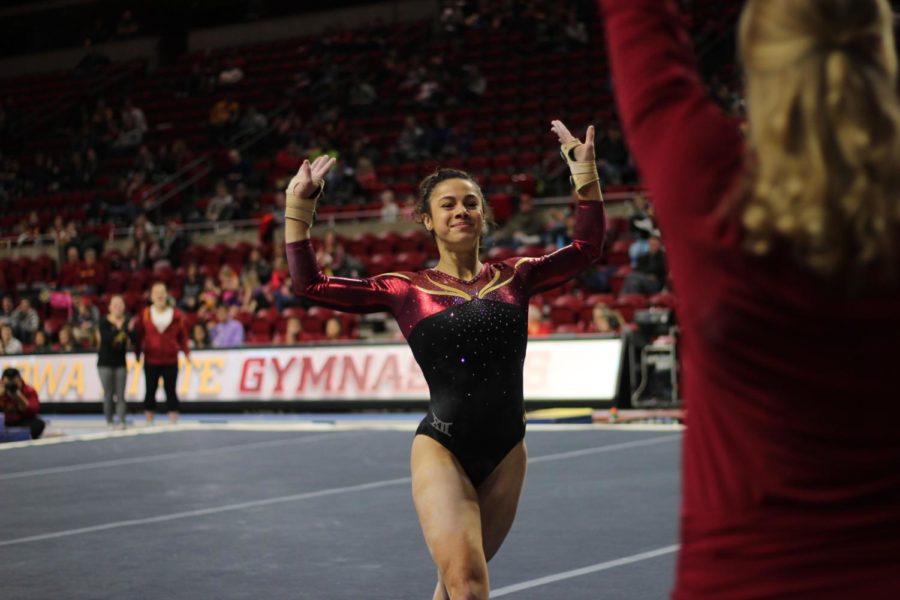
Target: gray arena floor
(321, 512)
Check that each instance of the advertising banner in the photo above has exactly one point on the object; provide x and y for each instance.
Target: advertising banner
(582, 369)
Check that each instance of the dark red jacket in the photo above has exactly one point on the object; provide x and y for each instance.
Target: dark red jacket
(790, 485)
(160, 348)
(14, 414)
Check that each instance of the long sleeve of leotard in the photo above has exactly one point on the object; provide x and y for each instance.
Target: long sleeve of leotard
(373, 294)
(546, 272)
(684, 145)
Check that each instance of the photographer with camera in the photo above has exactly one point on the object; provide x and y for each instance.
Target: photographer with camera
(19, 402)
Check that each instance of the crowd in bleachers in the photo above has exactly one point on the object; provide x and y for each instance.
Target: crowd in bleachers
(241, 294)
(392, 104)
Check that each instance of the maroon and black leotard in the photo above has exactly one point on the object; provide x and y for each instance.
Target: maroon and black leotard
(467, 336)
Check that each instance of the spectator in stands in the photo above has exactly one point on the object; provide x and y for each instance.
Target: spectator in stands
(84, 321)
(258, 266)
(29, 229)
(80, 172)
(613, 160)
(199, 337)
(25, 321)
(226, 331)
(411, 143)
(250, 287)
(526, 226)
(272, 220)
(649, 274)
(223, 118)
(111, 342)
(92, 276)
(20, 403)
(7, 308)
(237, 169)
(172, 244)
(222, 205)
(70, 273)
(191, 288)
(130, 134)
(41, 344)
(366, 177)
(284, 296)
(11, 344)
(293, 333)
(537, 324)
(390, 210)
(230, 285)
(605, 320)
(65, 340)
(232, 71)
(143, 250)
(66, 236)
(641, 225)
(209, 298)
(142, 222)
(243, 201)
(159, 334)
(137, 116)
(475, 82)
(279, 268)
(334, 331)
(331, 255)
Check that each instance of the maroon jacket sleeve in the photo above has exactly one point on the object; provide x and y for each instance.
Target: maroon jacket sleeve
(182, 333)
(372, 294)
(137, 334)
(546, 272)
(34, 405)
(684, 145)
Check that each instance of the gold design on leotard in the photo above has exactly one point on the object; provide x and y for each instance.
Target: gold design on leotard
(524, 259)
(493, 286)
(447, 290)
(400, 275)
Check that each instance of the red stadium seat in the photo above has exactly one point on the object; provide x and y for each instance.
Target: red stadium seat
(267, 314)
(564, 309)
(294, 312)
(262, 327)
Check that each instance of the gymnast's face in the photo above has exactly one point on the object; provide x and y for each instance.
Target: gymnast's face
(457, 213)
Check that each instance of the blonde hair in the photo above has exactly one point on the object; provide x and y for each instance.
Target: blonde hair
(824, 133)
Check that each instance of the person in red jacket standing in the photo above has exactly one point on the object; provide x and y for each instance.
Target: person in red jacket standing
(159, 334)
(783, 248)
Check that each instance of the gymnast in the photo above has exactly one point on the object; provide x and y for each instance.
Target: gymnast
(465, 322)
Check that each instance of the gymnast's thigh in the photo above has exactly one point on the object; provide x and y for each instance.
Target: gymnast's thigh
(448, 509)
(498, 498)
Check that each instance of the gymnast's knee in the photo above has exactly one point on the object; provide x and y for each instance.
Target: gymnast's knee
(466, 582)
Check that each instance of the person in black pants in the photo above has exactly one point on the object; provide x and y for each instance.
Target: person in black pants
(112, 342)
(160, 334)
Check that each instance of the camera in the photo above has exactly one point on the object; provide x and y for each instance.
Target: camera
(11, 388)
